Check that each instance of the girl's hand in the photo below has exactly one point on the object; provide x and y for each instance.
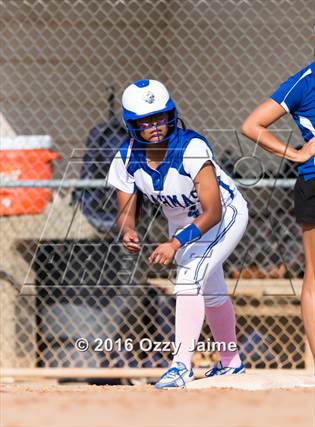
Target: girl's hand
(164, 253)
(306, 152)
(131, 241)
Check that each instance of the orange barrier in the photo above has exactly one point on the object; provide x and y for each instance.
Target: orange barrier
(22, 158)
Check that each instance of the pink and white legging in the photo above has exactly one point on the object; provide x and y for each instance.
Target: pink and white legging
(201, 289)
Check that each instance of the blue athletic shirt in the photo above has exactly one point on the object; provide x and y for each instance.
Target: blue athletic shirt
(171, 183)
(297, 96)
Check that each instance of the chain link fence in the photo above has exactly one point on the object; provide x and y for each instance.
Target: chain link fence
(63, 273)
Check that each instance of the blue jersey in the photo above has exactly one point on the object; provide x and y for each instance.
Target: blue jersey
(171, 184)
(297, 96)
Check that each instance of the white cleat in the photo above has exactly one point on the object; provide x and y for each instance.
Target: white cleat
(177, 376)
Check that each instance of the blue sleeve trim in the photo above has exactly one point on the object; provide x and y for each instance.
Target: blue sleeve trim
(226, 187)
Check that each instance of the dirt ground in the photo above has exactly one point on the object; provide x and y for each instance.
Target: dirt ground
(81, 405)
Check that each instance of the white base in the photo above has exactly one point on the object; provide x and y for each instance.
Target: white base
(256, 381)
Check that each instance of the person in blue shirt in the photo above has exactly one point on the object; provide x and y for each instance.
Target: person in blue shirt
(295, 96)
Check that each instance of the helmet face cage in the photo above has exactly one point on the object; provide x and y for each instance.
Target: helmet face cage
(171, 123)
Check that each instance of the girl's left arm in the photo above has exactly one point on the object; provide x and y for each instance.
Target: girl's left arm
(209, 196)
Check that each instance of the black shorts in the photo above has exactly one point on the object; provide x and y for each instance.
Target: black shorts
(304, 201)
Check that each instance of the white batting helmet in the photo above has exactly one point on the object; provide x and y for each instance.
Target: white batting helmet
(144, 98)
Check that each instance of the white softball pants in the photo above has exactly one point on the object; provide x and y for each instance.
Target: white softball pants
(200, 264)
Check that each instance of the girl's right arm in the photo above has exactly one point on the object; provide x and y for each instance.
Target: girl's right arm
(126, 220)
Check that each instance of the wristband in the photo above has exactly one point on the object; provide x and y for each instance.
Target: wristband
(189, 234)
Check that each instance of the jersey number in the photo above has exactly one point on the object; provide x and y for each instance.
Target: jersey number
(193, 211)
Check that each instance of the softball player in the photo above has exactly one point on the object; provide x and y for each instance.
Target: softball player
(297, 97)
(207, 216)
